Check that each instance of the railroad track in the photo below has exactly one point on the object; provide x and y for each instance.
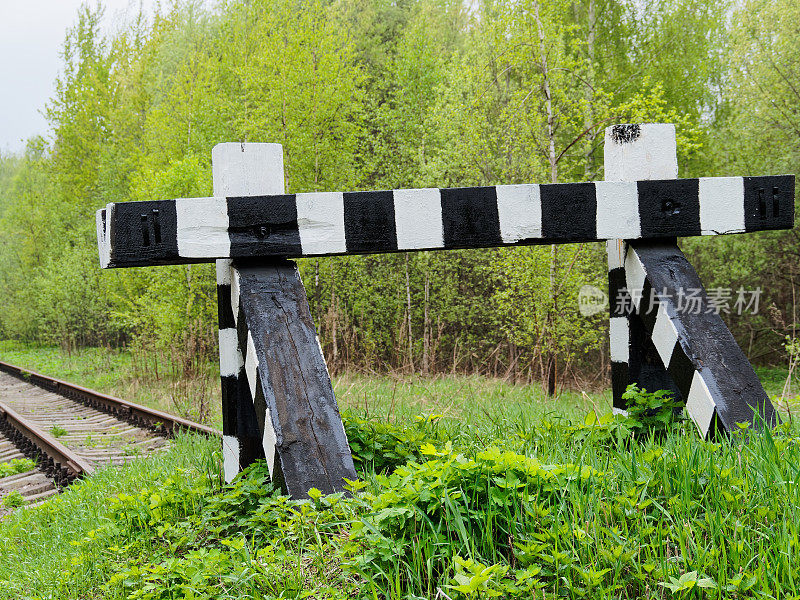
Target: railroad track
(69, 431)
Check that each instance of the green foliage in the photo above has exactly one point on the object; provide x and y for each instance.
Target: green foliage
(555, 511)
(653, 413)
(381, 447)
(15, 466)
(57, 431)
(13, 499)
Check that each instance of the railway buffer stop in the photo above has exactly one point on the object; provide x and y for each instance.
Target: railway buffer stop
(277, 398)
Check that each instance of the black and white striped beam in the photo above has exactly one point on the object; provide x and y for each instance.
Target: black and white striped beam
(694, 353)
(190, 230)
(280, 394)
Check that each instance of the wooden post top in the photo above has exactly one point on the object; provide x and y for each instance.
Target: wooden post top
(639, 199)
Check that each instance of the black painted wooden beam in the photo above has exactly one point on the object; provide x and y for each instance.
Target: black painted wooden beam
(191, 230)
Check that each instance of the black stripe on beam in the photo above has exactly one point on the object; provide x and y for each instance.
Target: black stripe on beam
(470, 218)
(617, 292)
(681, 370)
(669, 207)
(251, 448)
(619, 383)
(260, 406)
(369, 223)
(229, 403)
(224, 309)
(263, 225)
(648, 307)
(144, 233)
(569, 212)
(768, 202)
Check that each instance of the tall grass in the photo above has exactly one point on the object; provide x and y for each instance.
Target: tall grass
(37, 544)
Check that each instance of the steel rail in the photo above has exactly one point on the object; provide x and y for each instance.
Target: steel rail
(159, 421)
(55, 458)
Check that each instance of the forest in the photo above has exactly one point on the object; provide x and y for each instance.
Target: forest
(379, 94)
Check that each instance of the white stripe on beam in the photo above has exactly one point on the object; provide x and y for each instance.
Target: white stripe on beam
(665, 335)
(700, 404)
(269, 442)
(418, 218)
(103, 243)
(617, 210)
(230, 357)
(635, 275)
(230, 457)
(520, 210)
(616, 249)
(648, 151)
(202, 226)
(619, 332)
(224, 271)
(251, 365)
(320, 220)
(235, 294)
(721, 205)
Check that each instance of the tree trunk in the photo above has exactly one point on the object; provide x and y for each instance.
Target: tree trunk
(426, 334)
(550, 359)
(408, 301)
(588, 156)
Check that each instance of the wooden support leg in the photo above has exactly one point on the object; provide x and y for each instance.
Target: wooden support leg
(241, 439)
(285, 374)
(619, 322)
(690, 344)
(634, 358)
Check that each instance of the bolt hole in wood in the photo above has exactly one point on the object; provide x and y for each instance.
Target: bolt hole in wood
(762, 203)
(670, 207)
(146, 222)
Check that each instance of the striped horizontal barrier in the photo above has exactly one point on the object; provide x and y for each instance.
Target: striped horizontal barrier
(190, 230)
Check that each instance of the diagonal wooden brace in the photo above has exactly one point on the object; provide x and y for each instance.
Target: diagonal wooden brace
(301, 432)
(687, 348)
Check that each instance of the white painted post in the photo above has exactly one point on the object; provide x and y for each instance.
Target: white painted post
(631, 153)
(239, 170)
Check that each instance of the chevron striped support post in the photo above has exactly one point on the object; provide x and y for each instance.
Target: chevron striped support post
(654, 342)
(238, 170)
(277, 397)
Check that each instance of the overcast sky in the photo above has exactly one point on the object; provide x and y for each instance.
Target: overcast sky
(31, 35)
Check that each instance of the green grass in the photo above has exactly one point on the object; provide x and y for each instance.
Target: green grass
(457, 397)
(470, 488)
(549, 510)
(15, 466)
(473, 398)
(460, 398)
(57, 431)
(37, 545)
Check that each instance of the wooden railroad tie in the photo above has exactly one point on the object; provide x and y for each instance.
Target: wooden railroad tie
(278, 401)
